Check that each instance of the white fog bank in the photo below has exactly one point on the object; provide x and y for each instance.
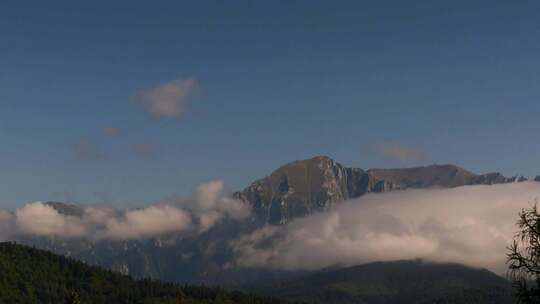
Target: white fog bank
(470, 225)
(196, 215)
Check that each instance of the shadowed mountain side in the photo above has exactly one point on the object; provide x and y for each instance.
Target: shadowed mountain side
(35, 276)
(170, 257)
(66, 209)
(400, 282)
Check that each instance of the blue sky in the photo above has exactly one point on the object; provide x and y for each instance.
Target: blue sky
(444, 81)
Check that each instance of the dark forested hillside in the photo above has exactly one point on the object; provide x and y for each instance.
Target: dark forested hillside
(29, 275)
(401, 282)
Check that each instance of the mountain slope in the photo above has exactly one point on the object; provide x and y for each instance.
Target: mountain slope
(396, 282)
(34, 276)
(294, 190)
(302, 187)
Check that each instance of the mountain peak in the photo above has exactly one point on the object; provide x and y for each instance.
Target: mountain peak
(65, 208)
(299, 188)
(315, 184)
(320, 160)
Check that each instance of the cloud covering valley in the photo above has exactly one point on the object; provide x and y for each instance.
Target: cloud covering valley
(470, 225)
(196, 215)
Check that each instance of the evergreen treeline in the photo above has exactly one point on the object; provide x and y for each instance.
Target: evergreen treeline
(29, 275)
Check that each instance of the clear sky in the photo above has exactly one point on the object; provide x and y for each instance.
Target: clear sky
(134, 101)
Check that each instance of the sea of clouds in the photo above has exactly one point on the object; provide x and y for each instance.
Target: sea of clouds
(471, 225)
(197, 215)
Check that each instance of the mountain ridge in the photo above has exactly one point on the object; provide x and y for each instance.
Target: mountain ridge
(301, 187)
(293, 190)
(404, 282)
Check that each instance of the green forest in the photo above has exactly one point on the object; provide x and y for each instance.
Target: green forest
(28, 275)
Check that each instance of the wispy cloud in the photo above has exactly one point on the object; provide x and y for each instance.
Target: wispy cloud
(167, 100)
(86, 149)
(212, 206)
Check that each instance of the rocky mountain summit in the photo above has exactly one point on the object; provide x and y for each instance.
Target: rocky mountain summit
(302, 187)
(294, 190)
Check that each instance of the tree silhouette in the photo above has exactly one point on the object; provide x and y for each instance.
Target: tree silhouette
(524, 256)
(180, 297)
(72, 297)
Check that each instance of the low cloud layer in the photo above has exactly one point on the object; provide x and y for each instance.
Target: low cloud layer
(150, 221)
(96, 223)
(40, 219)
(167, 100)
(212, 207)
(470, 225)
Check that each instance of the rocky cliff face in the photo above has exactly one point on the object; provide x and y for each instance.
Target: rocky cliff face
(302, 187)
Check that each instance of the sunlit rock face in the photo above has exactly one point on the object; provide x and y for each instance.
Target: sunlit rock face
(302, 187)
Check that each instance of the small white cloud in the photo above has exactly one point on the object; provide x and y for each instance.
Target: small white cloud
(98, 216)
(208, 219)
(211, 205)
(167, 100)
(40, 219)
(208, 194)
(236, 209)
(150, 221)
